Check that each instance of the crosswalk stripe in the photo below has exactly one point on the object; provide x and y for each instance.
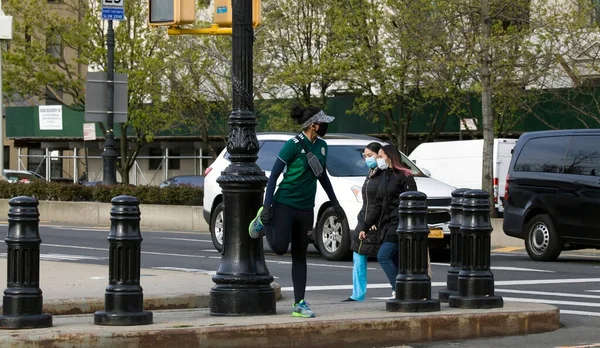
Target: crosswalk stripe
(553, 302)
(546, 293)
(65, 257)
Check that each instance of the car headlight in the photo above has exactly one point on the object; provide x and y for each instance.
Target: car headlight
(357, 191)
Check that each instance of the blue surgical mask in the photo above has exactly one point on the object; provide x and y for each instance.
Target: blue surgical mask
(371, 162)
(382, 164)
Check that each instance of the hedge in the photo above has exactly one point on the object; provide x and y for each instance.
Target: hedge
(66, 192)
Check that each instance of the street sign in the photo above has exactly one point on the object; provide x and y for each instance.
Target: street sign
(89, 131)
(113, 10)
(96, 109)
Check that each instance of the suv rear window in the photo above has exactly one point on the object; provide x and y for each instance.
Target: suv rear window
(583, 157)
(543, 155)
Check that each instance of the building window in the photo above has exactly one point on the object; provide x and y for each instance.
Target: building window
(174, 162)
(54, 44)
(56, 164)
(6, 157)
(35, 161)
(156, 158)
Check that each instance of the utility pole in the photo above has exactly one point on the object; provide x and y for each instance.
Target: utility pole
(5, 34)
(109, 155)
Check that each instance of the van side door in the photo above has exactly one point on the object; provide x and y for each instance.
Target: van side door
(582, 170)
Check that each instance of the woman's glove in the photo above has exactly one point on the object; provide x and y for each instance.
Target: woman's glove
(266, 216)
(339, 213)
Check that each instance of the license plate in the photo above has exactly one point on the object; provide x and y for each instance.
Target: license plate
(436, 233)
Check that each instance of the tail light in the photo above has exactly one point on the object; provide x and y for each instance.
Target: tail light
(496, 193)
(506, 188)
(207, 171)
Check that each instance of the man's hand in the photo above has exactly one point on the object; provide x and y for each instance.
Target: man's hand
(266, 216)
(339, 213)
(362, 235)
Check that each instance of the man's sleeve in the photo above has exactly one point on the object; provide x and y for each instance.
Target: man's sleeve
(288, 151)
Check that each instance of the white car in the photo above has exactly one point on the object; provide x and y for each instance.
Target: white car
(347, 171)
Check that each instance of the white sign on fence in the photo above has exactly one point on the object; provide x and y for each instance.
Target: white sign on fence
(468, 123)
(89, 131)
(51, 117)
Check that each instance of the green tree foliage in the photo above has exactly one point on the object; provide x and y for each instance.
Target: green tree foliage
(55, 44)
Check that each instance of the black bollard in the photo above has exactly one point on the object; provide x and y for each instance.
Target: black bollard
(413, 285)
(455, 245)
(475, 280)
(243, 281)
(22, 302)
(124, 299)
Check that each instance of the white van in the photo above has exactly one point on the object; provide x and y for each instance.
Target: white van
(459, 163)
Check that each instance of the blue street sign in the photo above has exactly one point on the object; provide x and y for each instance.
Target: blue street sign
(113, 13)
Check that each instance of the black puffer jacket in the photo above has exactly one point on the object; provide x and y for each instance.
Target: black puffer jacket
(370, 245)
(384, 213)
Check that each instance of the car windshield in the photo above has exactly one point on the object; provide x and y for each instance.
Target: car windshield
(20, 177)
(347, 161)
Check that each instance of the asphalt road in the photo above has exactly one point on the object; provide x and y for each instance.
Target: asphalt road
(572, 283)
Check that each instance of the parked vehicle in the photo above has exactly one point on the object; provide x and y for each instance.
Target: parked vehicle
(21, 176)
(459, 163)
(347, 171)
(552, 196)
(192, 180)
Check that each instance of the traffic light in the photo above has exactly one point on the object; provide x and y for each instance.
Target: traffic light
(222, 13)
(171, 12)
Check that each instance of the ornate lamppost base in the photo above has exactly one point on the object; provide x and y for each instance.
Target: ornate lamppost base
(478, 302)
(443, 295)
(239, 301)
(36, 321)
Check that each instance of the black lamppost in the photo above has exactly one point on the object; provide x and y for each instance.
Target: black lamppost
(109, 155)
(243, 281)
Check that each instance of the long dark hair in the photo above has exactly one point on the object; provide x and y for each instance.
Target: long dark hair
(395, 159)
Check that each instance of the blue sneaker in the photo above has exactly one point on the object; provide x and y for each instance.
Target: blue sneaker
(256, 227)
(302, 309)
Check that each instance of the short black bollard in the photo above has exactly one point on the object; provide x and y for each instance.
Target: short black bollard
(124, 300)
(413, 285)
(455, 245)
(22, 302)
(475, 280)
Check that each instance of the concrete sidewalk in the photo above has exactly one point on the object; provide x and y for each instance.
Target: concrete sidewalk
(75, 288)
(79, 288)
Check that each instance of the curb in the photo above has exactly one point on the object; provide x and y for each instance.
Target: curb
(367, 332)
(152, 302)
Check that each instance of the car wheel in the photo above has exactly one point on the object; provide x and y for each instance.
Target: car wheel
(216, 227)
(542, 240)
(333, 239)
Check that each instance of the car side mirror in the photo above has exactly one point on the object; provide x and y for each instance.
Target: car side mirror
(426, 172)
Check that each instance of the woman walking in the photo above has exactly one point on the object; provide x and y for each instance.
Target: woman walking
(368, 246)
(396, 180)
(288, 213)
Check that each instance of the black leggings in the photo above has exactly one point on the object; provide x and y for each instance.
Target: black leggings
(291, 224)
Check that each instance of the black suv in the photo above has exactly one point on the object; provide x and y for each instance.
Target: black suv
(552, 196)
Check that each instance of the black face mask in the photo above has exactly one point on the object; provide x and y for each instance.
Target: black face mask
(322, 129)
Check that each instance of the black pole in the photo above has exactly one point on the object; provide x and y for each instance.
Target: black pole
(22, 302)
(476, 280)
(455, 245)
(124, 298)
(109, 155)
(243, 281)
(413, 285)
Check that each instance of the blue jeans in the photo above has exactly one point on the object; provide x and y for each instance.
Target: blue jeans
(359, 277)
(388, 259)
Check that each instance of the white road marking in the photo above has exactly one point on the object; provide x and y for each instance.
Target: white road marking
(65, 257)
(588, 314)
(436, 284)
(502, 268)
(83, 229)
(188, 270)
(546, 293)
(185, 240)
(105, 249)
(210, 250)
(556, 302)
(592, 290)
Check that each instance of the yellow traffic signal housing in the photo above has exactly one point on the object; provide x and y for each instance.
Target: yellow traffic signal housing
(222, 13)
(171, 12)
